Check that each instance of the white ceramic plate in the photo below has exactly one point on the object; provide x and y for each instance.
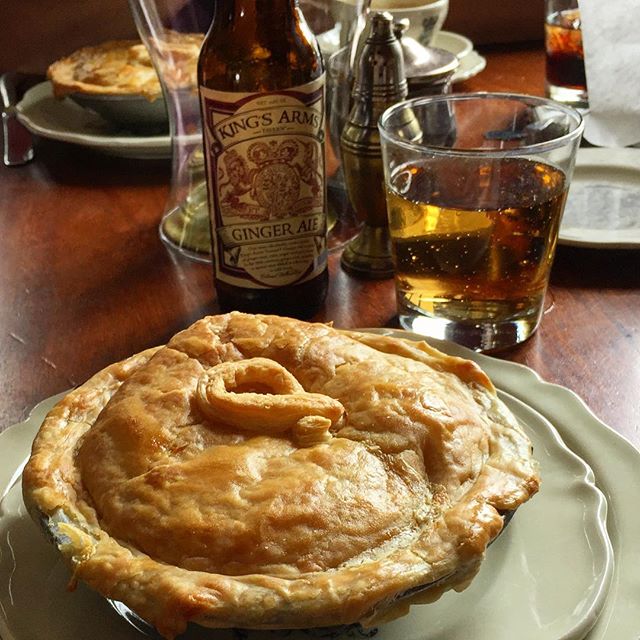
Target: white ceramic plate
(603, 206)
(471, 62)
(66, 121)
(545, 578)
(457, 44)
(471, 65)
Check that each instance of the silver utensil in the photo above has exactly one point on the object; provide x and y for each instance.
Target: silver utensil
(17, 140)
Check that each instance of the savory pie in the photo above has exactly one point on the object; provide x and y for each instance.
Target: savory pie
(124, 67)
(262, 472)
(117, 67)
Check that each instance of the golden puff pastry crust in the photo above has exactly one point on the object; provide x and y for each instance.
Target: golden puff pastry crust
(117, 67)
(262, 472)
(124, 67)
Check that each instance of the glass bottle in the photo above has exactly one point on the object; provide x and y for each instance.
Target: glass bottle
(173, 31)
(261, 80)
(565, 75)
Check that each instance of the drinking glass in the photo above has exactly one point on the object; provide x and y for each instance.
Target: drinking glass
(565, 74)
(476, 185)
(172, 31)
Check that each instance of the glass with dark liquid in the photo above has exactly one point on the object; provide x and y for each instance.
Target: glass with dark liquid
(476, 186)
(565, 72)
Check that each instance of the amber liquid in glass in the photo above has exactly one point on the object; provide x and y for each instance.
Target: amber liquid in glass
(258, 46)
(473, 240)
(564, 52)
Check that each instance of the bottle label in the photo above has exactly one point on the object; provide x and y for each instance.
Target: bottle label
(265, 168)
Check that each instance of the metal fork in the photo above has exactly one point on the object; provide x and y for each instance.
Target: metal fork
(17, 140)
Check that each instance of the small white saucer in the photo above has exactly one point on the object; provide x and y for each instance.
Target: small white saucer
(471, 62)
(603, 205)
(454, 42)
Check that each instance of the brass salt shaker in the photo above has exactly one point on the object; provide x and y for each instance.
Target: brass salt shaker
(379, 82)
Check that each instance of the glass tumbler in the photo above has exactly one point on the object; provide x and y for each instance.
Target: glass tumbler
(566, 80)
(476, 186)
(172, 31)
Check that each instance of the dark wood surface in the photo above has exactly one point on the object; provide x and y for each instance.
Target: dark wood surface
(85, 280)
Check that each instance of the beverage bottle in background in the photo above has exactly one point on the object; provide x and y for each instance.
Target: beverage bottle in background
(565, 72)
(261, 82)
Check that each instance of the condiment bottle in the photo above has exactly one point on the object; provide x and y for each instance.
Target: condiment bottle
(261, 81)
(379, 83)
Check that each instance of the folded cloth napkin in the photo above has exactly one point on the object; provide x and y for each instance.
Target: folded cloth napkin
(612, 65)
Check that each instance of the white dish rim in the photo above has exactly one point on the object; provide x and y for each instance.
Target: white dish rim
(618, 158)
(470, 66)
(42, 90)
(466, 45)
(471, 62)
(155, 147)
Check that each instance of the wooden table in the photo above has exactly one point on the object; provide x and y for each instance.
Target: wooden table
(85, 280)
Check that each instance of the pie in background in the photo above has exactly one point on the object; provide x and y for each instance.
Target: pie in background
(125, 68)
(117, 67)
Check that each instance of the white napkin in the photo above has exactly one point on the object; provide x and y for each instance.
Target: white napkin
(612, 64)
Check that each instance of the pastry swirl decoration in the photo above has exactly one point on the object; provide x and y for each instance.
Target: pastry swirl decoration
(228, 393)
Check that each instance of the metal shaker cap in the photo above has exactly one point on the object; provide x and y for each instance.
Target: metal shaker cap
(424, 64)
(379, 71)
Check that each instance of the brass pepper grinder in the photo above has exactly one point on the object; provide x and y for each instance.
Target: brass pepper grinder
(379, 82)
